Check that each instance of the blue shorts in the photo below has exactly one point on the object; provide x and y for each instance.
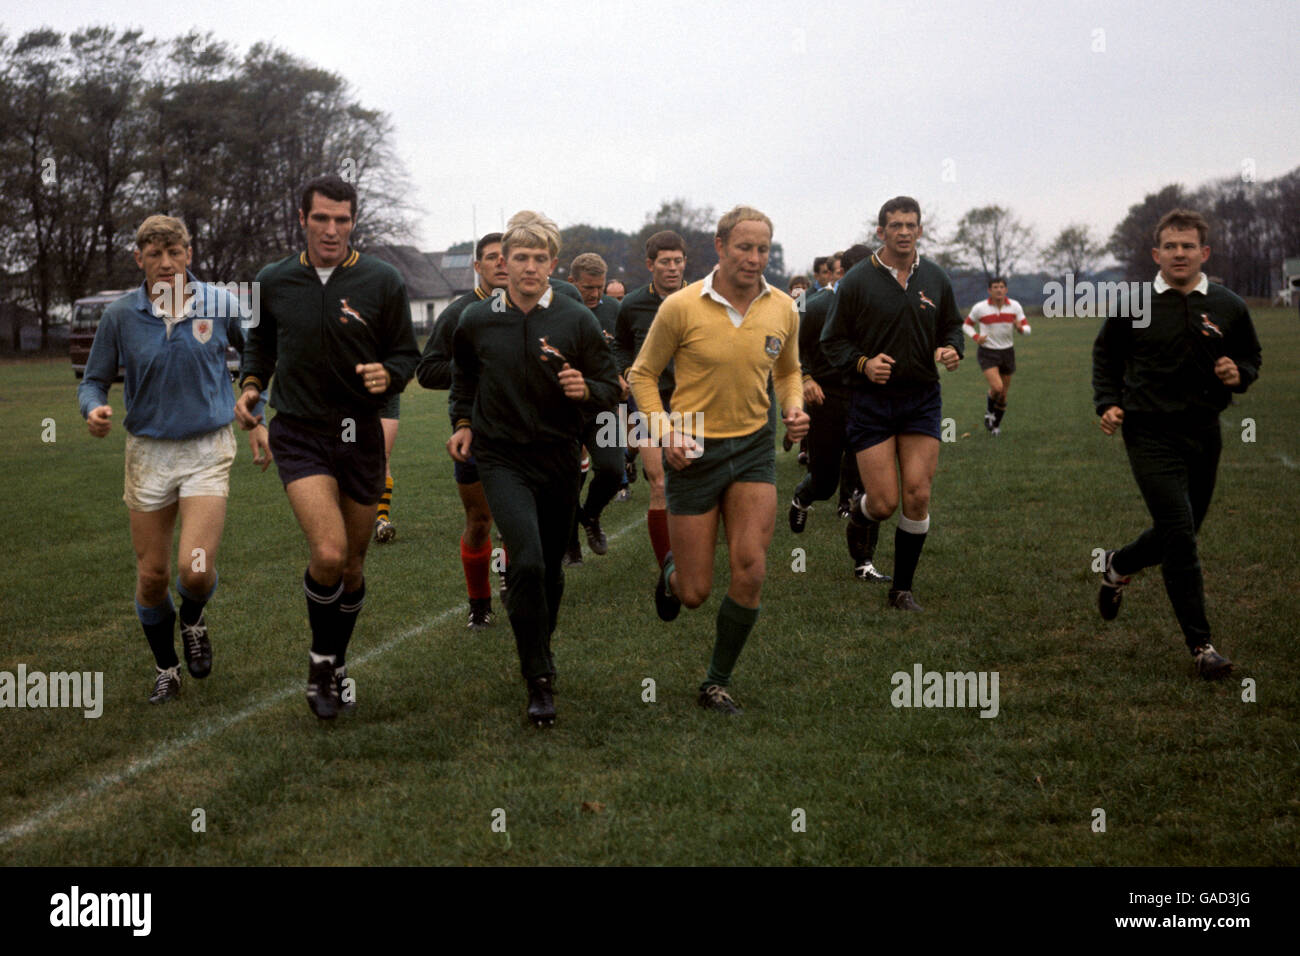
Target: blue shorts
(302, 448)
(392, 407)
(876, 414)
(466, 472)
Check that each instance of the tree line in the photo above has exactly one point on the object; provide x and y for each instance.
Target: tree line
(1253, 226)
(101, 127)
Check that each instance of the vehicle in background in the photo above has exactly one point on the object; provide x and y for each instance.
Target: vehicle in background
(86, 313)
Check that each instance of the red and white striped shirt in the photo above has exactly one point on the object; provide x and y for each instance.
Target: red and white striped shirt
(996, 323)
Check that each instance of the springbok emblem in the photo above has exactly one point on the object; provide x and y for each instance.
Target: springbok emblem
(925, 299)
(347, 311)
(549, 349)
(1209, 328)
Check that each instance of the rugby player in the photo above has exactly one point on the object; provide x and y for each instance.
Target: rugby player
(891, 321)
(665, 258)
(434, 371)
(588, 273)
(1165, 383)
(335, 335)
(170, 336)
(826, 396)
(990, 326)
(726, 334)
(526, 373)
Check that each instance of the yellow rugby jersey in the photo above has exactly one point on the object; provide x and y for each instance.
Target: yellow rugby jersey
(721, 367)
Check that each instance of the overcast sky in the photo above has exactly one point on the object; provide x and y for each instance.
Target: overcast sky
(597, 111)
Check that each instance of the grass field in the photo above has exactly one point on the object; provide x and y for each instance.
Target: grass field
(1091, 715)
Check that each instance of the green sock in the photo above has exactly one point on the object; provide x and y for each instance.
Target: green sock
(734, 624)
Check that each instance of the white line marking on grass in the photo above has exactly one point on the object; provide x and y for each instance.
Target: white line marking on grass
(199, 734)
(1288, 462)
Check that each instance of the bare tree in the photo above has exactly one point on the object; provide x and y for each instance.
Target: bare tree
(1074, 251)
(993, 240)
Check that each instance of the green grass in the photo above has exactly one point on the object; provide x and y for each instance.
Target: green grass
(1091, 715)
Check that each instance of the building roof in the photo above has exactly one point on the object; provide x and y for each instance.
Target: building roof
(429, 275)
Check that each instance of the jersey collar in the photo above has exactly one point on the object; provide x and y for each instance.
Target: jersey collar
(1160, 285)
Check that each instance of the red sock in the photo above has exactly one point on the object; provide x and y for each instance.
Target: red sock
(476, 569)
(657, 519)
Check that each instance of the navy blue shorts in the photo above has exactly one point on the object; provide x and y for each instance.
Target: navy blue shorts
(392, 407)
(466, 471)
(302, 448)
(877, 414)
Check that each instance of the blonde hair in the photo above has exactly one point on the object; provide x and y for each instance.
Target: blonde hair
(531, 230)
(738, 215)
(164, 230)
(588, 264)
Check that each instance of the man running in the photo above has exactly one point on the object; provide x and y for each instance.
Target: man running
(335, 334)
(434, 371)
(170, 336)
(891, 322)
(528, 369)
(665, 258)
(830, 460)
(588, 273)
(990, 325)
(726, 335)
(1165, 383)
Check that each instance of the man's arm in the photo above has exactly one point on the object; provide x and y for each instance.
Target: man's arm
(101, 366)
(656, 352)
(1021, 323)
(464, 378)
(401, 354)
(840, 332)
(624, 340)
(971, 326)
(949, 321)
(1243, 348)
(1108, 354)
(786, 374)
(434, 370)
(596, 360)
(235, 337)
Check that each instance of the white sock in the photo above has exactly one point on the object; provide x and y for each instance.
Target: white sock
(913, 527)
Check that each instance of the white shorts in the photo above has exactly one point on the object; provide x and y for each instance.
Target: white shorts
(161, 470)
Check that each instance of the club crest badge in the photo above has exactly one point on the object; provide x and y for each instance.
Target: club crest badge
(202, 329)
(925, 299)
(772, 345)
(551, 350)
(347, 312)
(1209, 328)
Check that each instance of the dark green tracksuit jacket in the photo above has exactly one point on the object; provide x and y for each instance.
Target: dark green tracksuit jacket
(310, 338)
(636, 314)
(505, 386)
(434, 370)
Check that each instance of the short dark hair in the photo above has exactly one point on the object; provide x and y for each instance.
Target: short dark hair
(1184, 219)
(854, 254)
(799, 280)
(331, 187)
(898, 204)
(819, 262)
(664, 241)
(483, 243)
(995, 280)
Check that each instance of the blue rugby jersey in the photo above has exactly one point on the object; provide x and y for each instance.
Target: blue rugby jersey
(175, 386)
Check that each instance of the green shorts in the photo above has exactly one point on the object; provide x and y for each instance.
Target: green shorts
(698, 488)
